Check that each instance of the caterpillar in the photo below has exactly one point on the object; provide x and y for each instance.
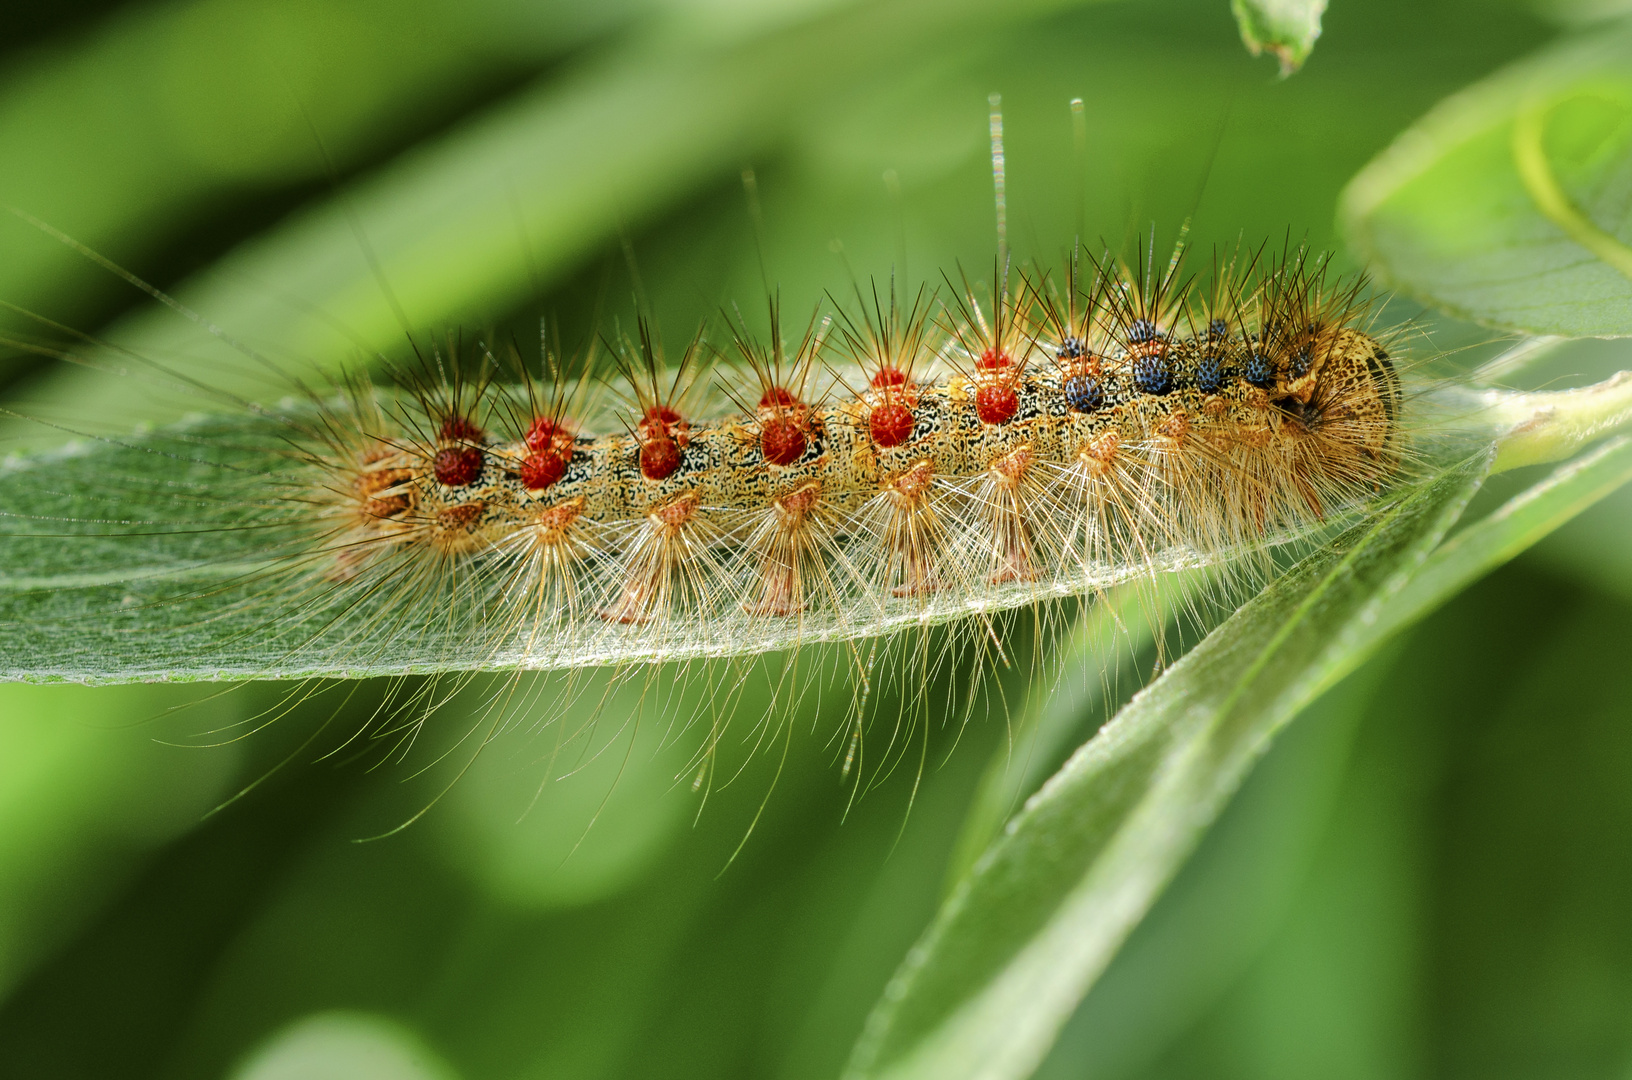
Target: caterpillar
(903, 461)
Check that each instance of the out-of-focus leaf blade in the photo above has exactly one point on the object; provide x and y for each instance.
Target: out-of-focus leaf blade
(148, 121)
(1510, 203)
(345, 1046)
(464, 227)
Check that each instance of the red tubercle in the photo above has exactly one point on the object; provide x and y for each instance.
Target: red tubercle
(551, 444)
(541, 469)
(659, 457)
(782, 440)
(456, 466)
(890, 424)
(886, 377)
(783, 428)
(662, 433)
(778, 397)
(993, 359)
(541, 433)
(662, 421)
(461, 429)
(996, 403)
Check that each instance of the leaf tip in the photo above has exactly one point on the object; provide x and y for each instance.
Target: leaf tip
(1286, 29)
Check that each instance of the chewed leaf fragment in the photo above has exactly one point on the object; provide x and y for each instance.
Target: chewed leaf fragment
(1286, 29)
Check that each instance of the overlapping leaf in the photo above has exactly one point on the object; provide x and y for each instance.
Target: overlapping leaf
(1511, 202)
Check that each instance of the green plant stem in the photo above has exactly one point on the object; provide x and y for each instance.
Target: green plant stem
(1533, 428)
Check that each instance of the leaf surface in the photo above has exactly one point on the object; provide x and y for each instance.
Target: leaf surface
(1511, 202)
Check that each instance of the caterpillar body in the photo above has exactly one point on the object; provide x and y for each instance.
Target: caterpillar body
(902, 463)
(910, 464)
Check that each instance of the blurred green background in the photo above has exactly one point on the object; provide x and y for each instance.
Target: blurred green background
(1430, 875)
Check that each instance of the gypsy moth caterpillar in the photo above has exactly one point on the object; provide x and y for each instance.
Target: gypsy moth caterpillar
(1018, 444)
(1044, 442)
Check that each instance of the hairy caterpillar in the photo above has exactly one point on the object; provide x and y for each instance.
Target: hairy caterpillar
(903, 462)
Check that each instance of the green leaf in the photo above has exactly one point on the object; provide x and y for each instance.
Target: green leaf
(1015, 948)
(1508, 204)
(1106, 639)
(1034, 924)
(1286, 29)
(190, 553)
